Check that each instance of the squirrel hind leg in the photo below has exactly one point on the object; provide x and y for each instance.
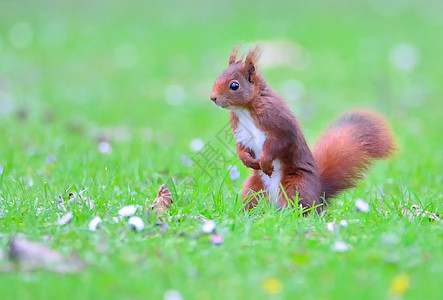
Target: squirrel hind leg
(307, 190)
(251, 188)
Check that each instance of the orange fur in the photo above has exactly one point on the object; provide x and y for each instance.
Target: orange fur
(339, 158)
(347, 149)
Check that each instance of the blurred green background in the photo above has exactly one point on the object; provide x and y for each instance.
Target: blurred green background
(137, 75)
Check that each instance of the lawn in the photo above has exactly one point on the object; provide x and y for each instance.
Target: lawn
(102, 102)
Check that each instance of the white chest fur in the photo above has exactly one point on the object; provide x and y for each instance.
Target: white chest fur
(251, 137)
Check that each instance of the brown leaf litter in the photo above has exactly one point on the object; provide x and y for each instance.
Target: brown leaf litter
(28, 255)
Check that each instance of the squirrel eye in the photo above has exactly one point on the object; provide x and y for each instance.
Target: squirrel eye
(234, 86)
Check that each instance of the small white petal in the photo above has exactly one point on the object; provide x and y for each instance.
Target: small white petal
(433, 216)
(197, 145)
(208, 226)
(233, 172)
(127, 211)
(1, 170)
(361, 205)
(116, 219)
(91, 204)
(186, 161)
(172, 295)
(344, 223)
(330, 226)
(50, 159)
(217, 239)
(340, 246)
(94, 223)
(137, 223)
(416, 207)
(65, 219)
(235, 175)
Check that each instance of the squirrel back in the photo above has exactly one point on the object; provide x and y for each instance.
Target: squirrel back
(348, 148)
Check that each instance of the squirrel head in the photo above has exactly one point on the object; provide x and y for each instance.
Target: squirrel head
(239, 83)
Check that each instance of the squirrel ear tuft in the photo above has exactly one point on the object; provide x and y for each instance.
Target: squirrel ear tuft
(233, 55)
(251, 63)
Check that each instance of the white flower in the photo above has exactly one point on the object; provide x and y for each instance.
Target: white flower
(1, 170)
(361, 205)
(233, 172)
(65, 219)
(208, 226)
(105, 148)
(94, 223)
(344, 223)
(137, 223)
(127, 211)
(196, 145)
(340, 246)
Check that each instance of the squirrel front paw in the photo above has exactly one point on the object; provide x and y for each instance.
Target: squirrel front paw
(267, 167)
(251, 163)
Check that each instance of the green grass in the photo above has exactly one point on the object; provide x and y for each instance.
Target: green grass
(96, 69)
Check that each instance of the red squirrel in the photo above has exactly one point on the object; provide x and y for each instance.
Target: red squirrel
(270, 141)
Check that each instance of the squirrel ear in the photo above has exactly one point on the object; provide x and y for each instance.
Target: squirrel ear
(250, 66)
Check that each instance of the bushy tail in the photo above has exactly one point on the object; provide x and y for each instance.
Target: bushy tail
(347, 149)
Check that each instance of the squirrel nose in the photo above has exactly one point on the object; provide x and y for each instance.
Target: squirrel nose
(213, 98)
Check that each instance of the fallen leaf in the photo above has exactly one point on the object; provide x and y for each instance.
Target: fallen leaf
(163, 201)
(29, 255)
